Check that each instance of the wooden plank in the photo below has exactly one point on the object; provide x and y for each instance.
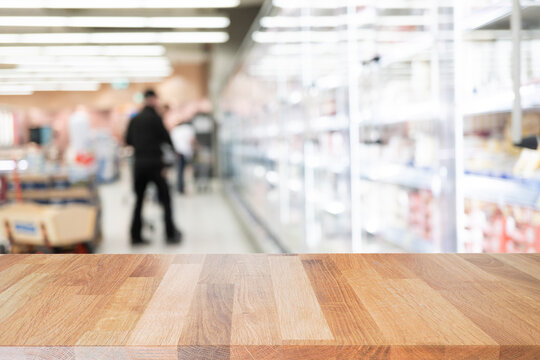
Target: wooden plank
(505, 273)
(122, 313)
(204, 353)
(254, 311)
(63, 317)
(340, 305)
(153, 266)
(219, 269)
(163, 320)
(408, 312)
(17, 295)
(189, 258)
(443, 271)
(256, 352)
(351, 266)
(8, 260)
(317, 306)
(300, 315)
(112, 271)
(388, 267)
(519, 352)
(523, 263)
(472, 353)
(15, 273)
(499, 323)
(210, 317)
(38, 353)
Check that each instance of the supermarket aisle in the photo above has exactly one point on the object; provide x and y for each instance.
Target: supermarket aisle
(206, 220)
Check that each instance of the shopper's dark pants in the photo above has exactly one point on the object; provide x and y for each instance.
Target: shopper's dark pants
(143, 175)
(182, 162)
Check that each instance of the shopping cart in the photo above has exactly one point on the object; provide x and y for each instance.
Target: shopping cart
(202, 169)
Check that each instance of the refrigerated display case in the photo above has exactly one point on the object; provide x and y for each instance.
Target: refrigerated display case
(285, 128)
(377, 126)
(500, 89)
(402, 116)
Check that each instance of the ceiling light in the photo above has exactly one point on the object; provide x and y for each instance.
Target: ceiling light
(120, 4)
(111, 38)
(83, 60)
(210, 22)
(82, 70)
(14, 92)
(50, 86)
(73, 50)
(82, 76)
(67, 87)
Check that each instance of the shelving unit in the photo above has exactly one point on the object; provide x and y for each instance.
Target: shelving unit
(363, 126)
(500, 106)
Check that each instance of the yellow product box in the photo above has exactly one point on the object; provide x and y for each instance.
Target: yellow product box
(54, 225)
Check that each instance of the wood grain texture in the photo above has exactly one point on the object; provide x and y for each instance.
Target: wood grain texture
(163, 320)
(317, 306)
(255, 311)
(300, 314)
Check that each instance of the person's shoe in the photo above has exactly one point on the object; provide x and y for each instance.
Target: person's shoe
(137, 242)
(176, 238)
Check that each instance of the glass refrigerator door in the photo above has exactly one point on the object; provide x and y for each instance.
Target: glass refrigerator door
(501, 182)
(405, 141)
(326, 145)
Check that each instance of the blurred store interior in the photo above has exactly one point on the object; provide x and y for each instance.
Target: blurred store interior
(311, 126)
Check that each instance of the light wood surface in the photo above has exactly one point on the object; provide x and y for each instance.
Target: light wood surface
(369, 306)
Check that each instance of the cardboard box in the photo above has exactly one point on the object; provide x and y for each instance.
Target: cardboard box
(30, 224)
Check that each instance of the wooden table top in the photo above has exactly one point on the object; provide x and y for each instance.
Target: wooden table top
(399, 306)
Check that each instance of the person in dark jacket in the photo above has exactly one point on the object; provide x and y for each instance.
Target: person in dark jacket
(147, 133)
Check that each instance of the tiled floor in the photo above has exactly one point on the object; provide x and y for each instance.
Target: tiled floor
(206, 220)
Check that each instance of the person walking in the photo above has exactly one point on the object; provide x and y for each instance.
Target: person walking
(183, 138)
(147, 133)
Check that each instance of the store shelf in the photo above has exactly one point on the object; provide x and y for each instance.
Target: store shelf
(503, 101)
(404, 239)
(298, 127)
(406, 176)
(509, 190)
(497, 16)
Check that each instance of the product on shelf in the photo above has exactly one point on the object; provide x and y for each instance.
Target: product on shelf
(389, 207)
(490, 227)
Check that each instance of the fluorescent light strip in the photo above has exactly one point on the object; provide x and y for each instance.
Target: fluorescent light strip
(118, 4)
(82, 76)
(186, 22)
(51, 83)
(83, 70)
(34, 81)
(29, 87)
(67, 87)
(14, 92)
(89, 50)
(112, 38)
(100, 60)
